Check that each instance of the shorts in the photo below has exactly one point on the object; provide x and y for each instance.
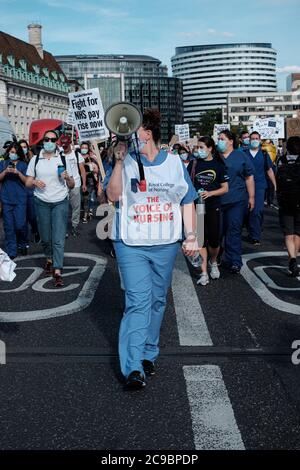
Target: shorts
(290, 222)
(212, 227)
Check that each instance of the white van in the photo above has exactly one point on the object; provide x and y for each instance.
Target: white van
(6, 133)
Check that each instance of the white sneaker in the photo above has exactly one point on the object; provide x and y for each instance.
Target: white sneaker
(203, 279)
(214, 270)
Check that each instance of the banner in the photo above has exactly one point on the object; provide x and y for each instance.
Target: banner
(270, 128)
(88, 114)
(183, 132)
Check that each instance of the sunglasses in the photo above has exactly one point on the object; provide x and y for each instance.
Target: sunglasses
(50, 139)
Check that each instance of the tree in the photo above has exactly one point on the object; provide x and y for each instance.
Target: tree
(208, 120)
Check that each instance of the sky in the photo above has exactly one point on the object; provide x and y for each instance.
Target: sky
(156, 27)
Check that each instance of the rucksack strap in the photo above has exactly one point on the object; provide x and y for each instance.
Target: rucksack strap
(193, 171)
(62, 156)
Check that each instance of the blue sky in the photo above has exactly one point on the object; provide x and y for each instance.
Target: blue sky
(156, 27)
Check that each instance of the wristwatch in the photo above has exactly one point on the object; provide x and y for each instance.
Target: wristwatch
(191, 234)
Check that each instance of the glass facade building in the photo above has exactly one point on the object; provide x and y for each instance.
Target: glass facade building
(145, 80)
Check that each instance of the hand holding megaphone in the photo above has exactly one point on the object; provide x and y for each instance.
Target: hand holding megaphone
(120, 151)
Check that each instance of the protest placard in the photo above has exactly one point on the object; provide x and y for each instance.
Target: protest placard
(70, 117)
(183, 132)
(218, 128)
(270, 128)
(88, 114)
(292, 127)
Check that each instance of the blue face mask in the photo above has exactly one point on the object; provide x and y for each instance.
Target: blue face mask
(49, 146)
(195, 154)
(141, 144)
(184, 156)
(84, 151)
(25, 150)
(202, 154)
(222, 146)
(254, 144)
(246, 141)
(13, 157)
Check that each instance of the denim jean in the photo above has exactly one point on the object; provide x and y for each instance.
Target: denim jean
(52, 219)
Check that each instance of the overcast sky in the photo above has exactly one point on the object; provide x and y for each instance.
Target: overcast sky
(156, 27)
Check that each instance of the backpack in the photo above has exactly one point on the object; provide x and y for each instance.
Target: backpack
(288, 181)
(63, 160)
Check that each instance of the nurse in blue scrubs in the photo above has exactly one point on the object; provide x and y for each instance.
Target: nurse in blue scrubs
(147, 232)
(263, 168)
(241, 195)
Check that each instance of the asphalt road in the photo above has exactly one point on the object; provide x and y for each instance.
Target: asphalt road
(225, 376)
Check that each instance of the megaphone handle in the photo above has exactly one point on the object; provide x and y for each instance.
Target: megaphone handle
(138, 158)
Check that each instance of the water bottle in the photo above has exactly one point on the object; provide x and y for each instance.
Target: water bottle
(195, 260)
(200, 203)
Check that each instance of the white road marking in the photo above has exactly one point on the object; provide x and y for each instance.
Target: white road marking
(82, 301)
(192, 328)
(213, 420)
(260, 272)
(261, 289)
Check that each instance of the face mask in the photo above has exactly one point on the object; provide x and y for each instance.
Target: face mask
(13, 157)
(25, 150)
(202, 154)
(84, 151)
(175, 152)
(246, 141)
(195, 154)
(183, 156)
(49, 146)
(222, 146)
(254, 144)
(141, 144)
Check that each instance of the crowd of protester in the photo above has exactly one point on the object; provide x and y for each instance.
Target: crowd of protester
(45, 197)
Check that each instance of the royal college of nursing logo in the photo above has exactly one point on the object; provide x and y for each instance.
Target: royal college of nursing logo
(82, 274)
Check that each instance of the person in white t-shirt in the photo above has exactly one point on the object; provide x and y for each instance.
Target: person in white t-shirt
(76, 161)
(51, 176)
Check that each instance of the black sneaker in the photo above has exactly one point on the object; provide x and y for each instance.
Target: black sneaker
(293, 268)
(255, 242)
(24, 251)
(135, 381)
(148, 367)
(234, 269)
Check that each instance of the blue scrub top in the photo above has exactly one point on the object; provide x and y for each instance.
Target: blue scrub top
(239, 167)
(261, 163)
(190, 196)
(13, 190)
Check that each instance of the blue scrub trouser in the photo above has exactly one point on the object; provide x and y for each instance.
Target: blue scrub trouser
(15, 227)
(31, 214)
(232, 224)
(52, 218)
(256, 216)
(146, 273)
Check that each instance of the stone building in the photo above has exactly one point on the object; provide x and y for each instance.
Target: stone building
(32, 84)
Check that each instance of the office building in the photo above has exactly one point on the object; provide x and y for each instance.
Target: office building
(210, 72)
(141, 80)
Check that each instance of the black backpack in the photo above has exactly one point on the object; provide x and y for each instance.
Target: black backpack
(288, 181)
(62, 156)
